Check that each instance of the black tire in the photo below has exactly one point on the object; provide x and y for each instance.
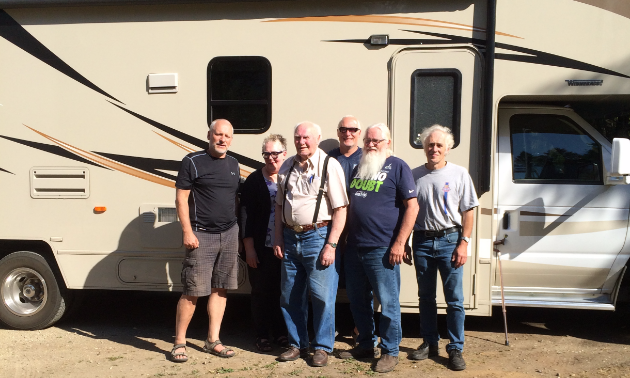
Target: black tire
(30, 297)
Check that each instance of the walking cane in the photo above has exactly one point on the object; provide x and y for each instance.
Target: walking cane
(502, 242)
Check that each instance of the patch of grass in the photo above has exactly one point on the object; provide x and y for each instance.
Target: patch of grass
(296, 372)
(370, 372)
(223, 370)
(271, 365)
(114, 358)
(194, 372)
(247, 368)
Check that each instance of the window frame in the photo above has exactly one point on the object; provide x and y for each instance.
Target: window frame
(600, 181)
(457, 102)
(210, 102)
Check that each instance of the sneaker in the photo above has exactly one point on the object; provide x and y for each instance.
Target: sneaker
(455, 360)
(424, 351)
(358, 353)
(386, 363)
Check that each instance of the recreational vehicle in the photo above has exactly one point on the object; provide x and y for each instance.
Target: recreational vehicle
(101, 99)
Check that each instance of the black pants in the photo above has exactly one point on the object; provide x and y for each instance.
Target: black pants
(265, 282)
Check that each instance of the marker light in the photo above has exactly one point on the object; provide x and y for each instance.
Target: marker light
(100, 209)
(379, 40)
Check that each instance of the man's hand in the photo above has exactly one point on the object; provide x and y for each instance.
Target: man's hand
(190, 240)
(278, 250)
(396, 254)
(460, 255)
(251, 258)
(328, 255)
(407, 257)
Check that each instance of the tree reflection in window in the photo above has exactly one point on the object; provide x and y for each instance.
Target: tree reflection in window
(554, 149)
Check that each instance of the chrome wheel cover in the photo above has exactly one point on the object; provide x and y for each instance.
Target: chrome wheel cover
(24, 292)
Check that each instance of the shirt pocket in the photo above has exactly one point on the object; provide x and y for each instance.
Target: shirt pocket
(188, 272)
(314, 185)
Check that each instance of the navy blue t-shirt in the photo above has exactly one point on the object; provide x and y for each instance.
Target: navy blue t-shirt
(376, 206)
(213, 183)
(347, 163)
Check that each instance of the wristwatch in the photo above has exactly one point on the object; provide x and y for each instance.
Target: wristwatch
(334, 245)
(466, 239)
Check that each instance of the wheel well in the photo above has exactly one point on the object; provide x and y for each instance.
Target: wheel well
(40, 247)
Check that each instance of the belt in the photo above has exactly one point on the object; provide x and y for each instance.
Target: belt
(306, 227)
(438, 234)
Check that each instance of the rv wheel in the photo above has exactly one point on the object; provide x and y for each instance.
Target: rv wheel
(31, 298)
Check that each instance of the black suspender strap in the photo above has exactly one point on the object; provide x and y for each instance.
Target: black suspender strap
(321, 191)
(319, 195)
(286, 185)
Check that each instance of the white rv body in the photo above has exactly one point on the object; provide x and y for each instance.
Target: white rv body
(99, 104)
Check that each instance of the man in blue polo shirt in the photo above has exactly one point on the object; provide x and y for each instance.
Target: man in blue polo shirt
(381, 215)
(348, 154)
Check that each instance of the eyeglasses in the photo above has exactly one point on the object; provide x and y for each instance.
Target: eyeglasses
(271, 153)
(370, 141)
(352, 130)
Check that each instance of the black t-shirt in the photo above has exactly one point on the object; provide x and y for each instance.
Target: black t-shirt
(213, 183)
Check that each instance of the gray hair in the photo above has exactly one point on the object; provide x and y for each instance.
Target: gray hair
(448, 135)
(385, 133)
(275, 138)
(314, 125)
(349, 116)
(214, 124)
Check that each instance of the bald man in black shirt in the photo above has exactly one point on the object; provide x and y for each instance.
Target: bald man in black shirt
(207, 184)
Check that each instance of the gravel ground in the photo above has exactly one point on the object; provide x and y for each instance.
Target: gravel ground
(129, 334)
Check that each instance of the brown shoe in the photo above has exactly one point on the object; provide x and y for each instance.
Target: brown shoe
(386, 363)
(320, 358)
(358, 353)
(293, 354)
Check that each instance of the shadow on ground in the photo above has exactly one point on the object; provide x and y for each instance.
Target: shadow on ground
(132, 318)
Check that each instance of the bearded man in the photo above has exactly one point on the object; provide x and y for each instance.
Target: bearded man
(381, 215)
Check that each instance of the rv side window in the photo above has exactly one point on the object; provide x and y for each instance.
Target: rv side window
(435, 99)
(239, 90)
(549, 148)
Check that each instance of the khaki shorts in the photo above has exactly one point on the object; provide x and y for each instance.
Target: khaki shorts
(214, 264)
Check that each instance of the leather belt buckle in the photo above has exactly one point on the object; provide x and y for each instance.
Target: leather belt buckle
(298, 228)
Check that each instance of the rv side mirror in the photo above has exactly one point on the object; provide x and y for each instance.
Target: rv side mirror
(620, 161)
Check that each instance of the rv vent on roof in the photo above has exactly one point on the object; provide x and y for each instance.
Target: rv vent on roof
(53, 182)
(162, 83)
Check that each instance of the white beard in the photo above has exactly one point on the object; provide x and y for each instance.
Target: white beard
(371, 164)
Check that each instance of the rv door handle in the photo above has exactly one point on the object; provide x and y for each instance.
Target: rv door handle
(499, 242)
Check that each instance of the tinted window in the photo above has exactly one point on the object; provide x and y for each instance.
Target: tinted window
(239, 90)
(553, 149)
(435, 98)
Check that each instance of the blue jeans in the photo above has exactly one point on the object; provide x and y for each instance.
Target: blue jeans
(431, 255)
(302, 269)
(368, 271)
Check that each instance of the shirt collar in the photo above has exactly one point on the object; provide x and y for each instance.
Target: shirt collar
(312, 160)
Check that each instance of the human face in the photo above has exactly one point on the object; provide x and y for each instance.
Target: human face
(273, 164)
(306, 140)
(375, 134)
(436, 150)
(348, 138)
(220, 138)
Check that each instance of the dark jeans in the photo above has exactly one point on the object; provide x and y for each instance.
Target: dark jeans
(265, 282)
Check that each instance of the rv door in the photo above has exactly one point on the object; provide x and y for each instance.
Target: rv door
(565, 227)
(437, 86)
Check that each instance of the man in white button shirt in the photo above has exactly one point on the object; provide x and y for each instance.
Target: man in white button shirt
(306, 241)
